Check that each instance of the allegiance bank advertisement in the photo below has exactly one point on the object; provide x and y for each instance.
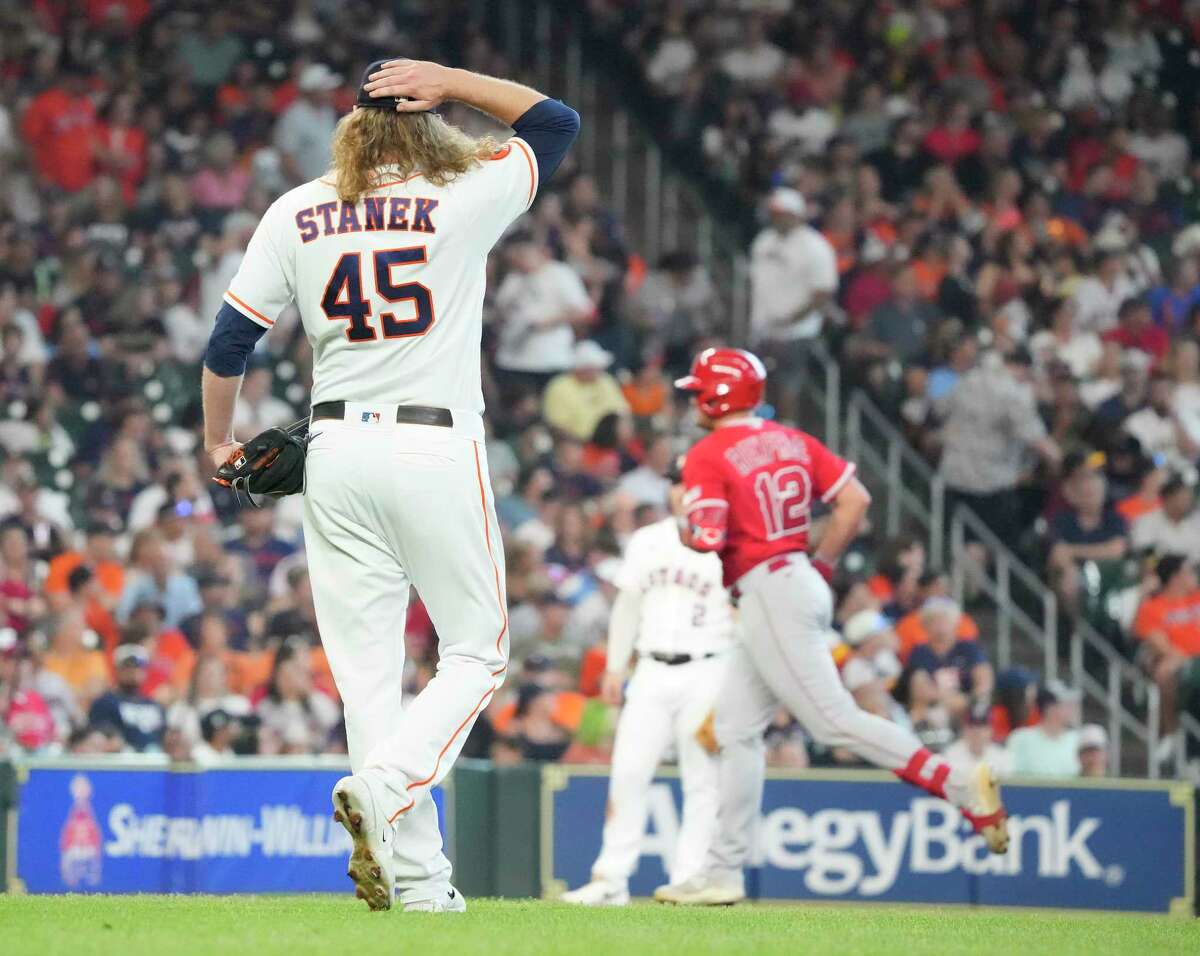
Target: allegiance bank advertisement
(1122, 845)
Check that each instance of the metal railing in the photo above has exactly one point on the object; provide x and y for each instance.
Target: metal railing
(819, 384)
(1109, 692)
(1011, 617)
(913, 494)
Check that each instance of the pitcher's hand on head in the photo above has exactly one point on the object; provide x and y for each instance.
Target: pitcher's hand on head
(423, 84)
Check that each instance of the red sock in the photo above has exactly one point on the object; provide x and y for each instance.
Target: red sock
(933, 781)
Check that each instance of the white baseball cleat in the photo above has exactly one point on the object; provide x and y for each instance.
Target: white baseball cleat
(451, 901)
(703, 890)
(986, 811)
(598, 893)
(371, 866)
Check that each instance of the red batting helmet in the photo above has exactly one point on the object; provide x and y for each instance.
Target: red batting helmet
(725, 380)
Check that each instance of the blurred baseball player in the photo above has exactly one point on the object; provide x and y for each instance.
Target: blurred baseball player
(751, 485)
(385, 260)
(672, 608)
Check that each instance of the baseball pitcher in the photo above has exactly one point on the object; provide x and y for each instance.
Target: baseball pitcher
(751, 485)
(384, 257)
(672, 608)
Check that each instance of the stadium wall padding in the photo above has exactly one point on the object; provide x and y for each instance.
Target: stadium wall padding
(262, 825)
(8, 819)
(497, 829)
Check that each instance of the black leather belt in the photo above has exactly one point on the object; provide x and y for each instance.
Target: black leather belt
(673, 660)
(405, 414)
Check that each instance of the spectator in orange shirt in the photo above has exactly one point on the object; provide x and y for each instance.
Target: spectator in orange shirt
(929, 267)
(83, 667)
(246, 671)
(99, 554)
(1169, 623)
(646, 391)
(1146, 498)
(171, 658)
(60, 127)
(83, 591)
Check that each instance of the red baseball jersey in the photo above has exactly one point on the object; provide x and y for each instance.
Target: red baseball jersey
(750, 488)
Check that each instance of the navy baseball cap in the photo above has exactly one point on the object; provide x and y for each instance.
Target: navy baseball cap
(367, 101)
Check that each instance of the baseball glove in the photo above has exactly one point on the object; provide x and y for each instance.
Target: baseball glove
(271, 463)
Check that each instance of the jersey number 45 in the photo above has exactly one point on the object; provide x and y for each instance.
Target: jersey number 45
(344, 300)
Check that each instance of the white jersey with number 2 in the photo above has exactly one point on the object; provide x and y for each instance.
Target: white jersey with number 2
(390, 289)
(684, 607)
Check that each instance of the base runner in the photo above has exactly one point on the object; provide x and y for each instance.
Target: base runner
(750, 489)
(385, 258)
(672, 608)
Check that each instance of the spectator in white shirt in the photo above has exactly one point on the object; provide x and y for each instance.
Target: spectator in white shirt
(1161, 147)
(1098, 296)
(1185, 361)
(1175, 527)
(1080, 351)
(1157, 428)
(793, 273)
(976, 745)
(648, 484)
(540, 302)
(676, 303)
(756, 62)
(793, 277)
(872, 668)
(187, 333)
(305, 129)
(257, 409)
(1132, 48)
(1093, 751)
(673, 58)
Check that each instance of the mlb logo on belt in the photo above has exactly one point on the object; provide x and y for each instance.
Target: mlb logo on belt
(370, 418)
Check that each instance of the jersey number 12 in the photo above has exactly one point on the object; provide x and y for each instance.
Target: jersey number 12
(344, 298)
(784, 497)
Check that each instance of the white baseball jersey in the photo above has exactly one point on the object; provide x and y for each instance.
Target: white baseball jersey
(684, 606)
(390, 289)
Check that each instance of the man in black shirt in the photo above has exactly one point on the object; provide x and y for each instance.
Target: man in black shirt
(902, 163)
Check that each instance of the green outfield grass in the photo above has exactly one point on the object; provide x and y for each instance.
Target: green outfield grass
(295, 925)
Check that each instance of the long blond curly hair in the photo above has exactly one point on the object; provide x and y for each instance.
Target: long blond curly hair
(409, 143)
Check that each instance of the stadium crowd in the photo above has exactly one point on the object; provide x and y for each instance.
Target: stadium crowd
(988, 212)
(999, 249)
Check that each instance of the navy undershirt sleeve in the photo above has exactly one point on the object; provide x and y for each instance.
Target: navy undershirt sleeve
(232, 340)
(549, 127)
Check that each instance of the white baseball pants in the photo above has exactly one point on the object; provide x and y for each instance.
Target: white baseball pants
(662, 703)
(784, 660)
(388, 506)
